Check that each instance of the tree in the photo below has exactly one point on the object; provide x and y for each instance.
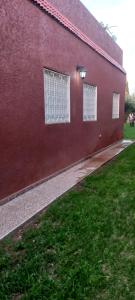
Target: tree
(129, 101)
(127, 90)
(129, 107)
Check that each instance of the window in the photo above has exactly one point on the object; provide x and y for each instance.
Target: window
(116, 104)
(89, 103)
(57, 97)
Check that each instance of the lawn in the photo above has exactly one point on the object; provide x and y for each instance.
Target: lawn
(129, 132)
(82, 247)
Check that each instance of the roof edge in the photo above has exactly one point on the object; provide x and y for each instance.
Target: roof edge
(51, 10)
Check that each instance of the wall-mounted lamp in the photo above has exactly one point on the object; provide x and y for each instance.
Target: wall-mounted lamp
(82, 71)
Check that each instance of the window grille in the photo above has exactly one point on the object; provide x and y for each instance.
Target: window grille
(116, 104)
(89, 103)
(57, 97)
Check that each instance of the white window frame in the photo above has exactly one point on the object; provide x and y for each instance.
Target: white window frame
(87, 103)
(116, 106)
(54, 111)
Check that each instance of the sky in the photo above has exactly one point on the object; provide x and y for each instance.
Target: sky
(119, 13)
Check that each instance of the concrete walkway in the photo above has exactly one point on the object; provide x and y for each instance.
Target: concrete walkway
(22, 208)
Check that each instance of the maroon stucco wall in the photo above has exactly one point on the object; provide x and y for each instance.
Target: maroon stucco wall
(29, 149)
(86, 22)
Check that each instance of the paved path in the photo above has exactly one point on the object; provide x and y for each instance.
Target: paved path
(22, 208)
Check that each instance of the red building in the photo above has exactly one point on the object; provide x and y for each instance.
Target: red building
(50, 118)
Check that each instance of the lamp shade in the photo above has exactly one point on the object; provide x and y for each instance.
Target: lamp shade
(82, 71)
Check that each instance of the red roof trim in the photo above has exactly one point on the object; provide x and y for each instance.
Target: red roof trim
(44, 4)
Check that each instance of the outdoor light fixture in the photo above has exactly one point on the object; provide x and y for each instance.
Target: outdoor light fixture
(82, 71)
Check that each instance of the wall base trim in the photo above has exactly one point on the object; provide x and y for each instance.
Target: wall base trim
(33, 185)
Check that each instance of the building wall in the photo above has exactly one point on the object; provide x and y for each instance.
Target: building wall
(86, 22)
(29, 149)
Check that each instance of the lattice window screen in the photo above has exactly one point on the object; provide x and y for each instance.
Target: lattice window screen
(57, 97)
(89, 103)
(116, 104)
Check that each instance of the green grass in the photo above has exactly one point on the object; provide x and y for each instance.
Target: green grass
(83, 247)
(129, 132)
